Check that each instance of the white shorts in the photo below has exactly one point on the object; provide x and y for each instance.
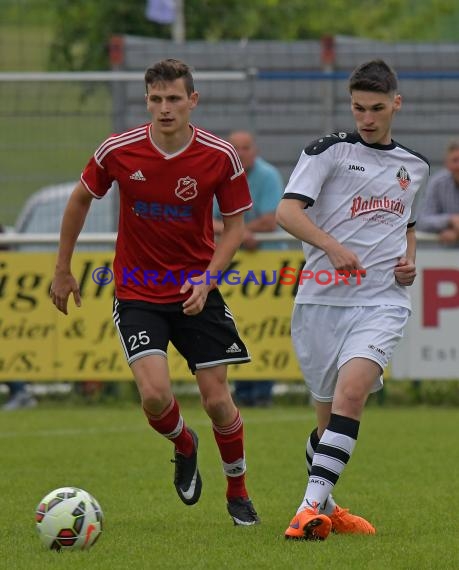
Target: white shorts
(326, 337)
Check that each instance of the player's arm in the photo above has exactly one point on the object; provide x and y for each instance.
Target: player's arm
(229, 242)
(405, 270)
(293, 219)
(72, 222)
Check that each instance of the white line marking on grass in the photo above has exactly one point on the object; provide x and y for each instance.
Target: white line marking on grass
(122, 429)
(68, 432)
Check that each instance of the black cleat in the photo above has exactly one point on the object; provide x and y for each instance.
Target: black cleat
(187, 479)
(242, 512)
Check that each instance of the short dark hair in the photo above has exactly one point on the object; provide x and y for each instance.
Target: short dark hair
(375, 75)
(169, 70)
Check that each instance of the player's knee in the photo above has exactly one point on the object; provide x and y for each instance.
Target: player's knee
(350, 394)
(218, 406)
(155, 400)
(353, 400)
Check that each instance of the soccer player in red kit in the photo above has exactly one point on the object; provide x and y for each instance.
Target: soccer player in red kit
(167, 266)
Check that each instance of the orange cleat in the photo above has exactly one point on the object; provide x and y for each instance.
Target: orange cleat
(308, 524)
(343, 522)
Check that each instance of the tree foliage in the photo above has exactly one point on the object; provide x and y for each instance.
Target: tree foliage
(83, 27)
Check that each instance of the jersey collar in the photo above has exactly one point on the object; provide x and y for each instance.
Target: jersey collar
(177, 152)
(377, 146)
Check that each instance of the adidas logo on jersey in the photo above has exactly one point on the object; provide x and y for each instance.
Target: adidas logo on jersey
(137, 175)
(233, 348)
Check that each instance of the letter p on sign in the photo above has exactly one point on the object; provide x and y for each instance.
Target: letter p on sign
(434, 298)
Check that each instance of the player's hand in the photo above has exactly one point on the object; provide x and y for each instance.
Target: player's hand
(196, 301)
(405, 272)
(62, 285)
(344, 259)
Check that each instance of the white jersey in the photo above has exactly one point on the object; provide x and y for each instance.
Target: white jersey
(365, 196)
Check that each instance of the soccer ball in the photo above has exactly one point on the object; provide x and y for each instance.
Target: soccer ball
(69, 519)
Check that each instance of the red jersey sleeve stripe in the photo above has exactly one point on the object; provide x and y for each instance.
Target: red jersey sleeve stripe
(237, 171)
(100, 157)
(237, 211)
(223, 146)
(117, 141)
(123, 135)
(83, 181)
(213, 138)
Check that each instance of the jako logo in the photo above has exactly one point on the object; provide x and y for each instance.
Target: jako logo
(317, 481)
(380, 350)
(356, 167)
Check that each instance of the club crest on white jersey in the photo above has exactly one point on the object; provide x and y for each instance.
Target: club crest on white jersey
(403, 178)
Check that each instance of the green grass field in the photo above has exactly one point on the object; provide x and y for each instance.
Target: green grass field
(401, 477)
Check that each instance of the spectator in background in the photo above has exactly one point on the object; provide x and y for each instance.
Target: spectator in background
(266, 188)
(19, 397)
(440, 211)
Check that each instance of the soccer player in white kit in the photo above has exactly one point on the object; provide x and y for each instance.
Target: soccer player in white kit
(352, 200)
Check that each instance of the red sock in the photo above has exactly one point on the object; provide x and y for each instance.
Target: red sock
(230, 441)
(170, 424)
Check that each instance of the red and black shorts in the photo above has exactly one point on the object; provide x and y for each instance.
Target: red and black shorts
(207, 339)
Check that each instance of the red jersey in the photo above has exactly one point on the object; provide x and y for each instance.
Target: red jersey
(165, 232)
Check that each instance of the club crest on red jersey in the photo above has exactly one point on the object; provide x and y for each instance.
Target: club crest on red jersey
(186, 188)
(403, 178)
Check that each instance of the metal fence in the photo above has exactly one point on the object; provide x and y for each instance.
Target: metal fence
(286, 93)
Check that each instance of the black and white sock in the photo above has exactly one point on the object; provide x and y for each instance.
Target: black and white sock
(311, 445)
(329, 459)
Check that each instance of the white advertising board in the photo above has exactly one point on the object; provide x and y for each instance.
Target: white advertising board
(430, 347)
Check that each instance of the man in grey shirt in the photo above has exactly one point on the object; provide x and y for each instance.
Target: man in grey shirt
(440, 211)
